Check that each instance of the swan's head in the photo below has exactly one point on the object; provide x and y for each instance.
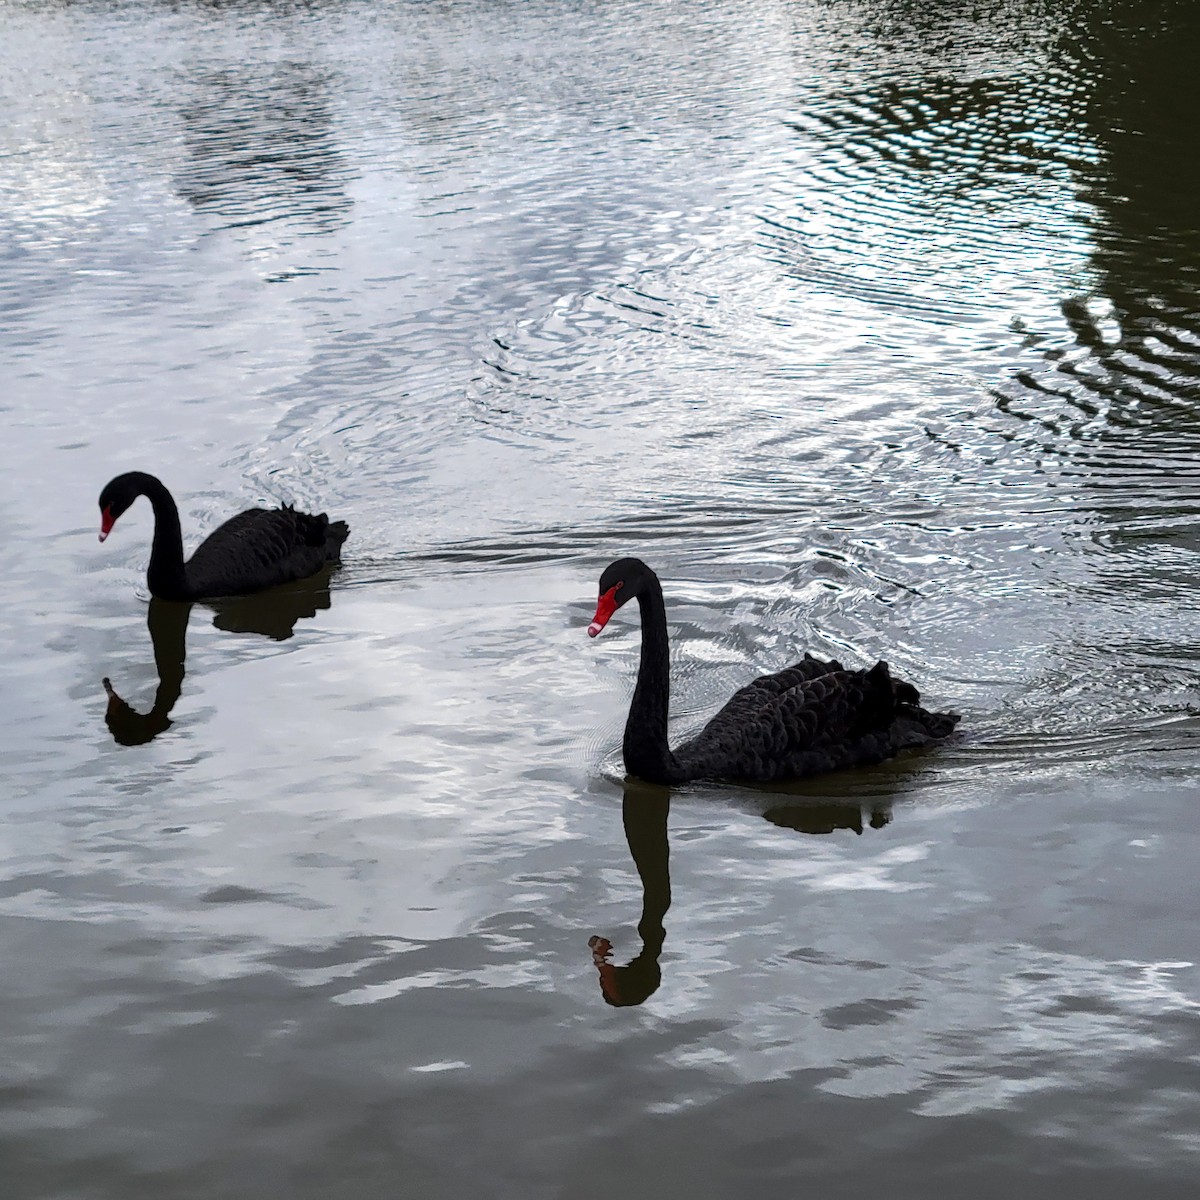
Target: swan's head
(621, 581)
(117, 496)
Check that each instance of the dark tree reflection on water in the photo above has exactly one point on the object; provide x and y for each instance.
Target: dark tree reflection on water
(263, 148)
(1142, 342)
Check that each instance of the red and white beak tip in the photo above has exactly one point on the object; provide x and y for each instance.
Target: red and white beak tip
(605, 607)
(103, 534)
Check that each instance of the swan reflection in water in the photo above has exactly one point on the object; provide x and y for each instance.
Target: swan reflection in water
(644, 813)
(273, 614)
(644, 809)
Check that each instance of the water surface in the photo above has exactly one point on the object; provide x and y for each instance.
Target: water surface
(871, 326)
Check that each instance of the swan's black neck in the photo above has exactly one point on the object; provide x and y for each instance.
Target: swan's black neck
(166, 575)
(647, 754)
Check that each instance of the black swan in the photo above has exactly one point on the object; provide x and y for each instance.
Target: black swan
(812, 717)
(257, 549)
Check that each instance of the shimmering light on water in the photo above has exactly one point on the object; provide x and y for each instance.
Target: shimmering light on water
(872, 326)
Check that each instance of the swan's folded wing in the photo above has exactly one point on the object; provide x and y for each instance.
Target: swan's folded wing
(749, 700)
(257, 548)
(835, 708)
(780, 727)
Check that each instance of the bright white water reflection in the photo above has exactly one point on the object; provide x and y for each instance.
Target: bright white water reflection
(871, 327)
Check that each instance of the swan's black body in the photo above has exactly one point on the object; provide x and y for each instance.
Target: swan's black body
(810, 718)
(257, 549)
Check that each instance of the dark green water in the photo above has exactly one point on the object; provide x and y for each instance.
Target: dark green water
(873, 327)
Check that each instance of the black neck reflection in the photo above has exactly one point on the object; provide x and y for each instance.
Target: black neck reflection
(644, 810)
(167, 621)
(273, 614)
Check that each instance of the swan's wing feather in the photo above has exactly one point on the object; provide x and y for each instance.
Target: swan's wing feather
(747, 701)
(262, 547)
(812, 717)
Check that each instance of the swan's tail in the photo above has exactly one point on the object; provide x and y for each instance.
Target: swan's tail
(939, 725)
(337, 533)
(923, 725)
(318, 530)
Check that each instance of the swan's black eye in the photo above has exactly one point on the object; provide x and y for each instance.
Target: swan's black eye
(620, 584)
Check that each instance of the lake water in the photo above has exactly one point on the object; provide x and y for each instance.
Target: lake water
(873, 327)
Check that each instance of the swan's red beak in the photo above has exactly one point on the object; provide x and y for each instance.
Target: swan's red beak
(107, 521)
(605, 607)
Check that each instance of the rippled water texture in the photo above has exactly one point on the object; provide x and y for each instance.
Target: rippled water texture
(872, 326)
